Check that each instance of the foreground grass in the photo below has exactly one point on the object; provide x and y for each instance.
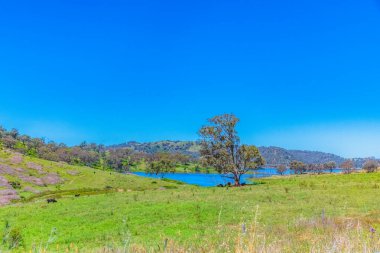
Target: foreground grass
(293, 214)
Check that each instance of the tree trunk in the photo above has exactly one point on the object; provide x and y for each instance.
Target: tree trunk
(237, 179)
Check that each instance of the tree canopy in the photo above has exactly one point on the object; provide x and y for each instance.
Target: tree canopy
(297, 167)
(371, 166)
(87, 154)
(221, 148)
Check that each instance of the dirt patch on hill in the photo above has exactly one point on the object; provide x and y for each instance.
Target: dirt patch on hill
(31, 179)
(4, 182)
(16, 159)
(31, 189)
(7, 195)
(36, 167)
(72, 172)
(5, 169)
(51, 179)
(23, 175)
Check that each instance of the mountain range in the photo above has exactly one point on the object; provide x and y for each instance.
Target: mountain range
(272, 155)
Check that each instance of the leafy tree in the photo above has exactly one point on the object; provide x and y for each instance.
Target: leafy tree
(347, 166)
(315, 168)
(14, 133)
(330, 166)
(371, 166)
(8, 141)
(281, 169)
(297, 167)
(119, 159)
(221, 149)
(160, 163)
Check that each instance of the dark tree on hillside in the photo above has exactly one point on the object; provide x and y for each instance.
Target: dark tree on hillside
(281, 169)
(347, 166)
(160, 163)
(119, 159)
(330, 166)
(221, 149)
(371, 166)
(297, 167)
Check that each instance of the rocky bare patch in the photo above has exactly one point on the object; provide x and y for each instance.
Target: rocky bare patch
(4, 182)
(7, 195)
(5, 169)
(51, 178)
(31, 179)
(23, 175)
(36, 167)
(31, 189)
(72, 172)
(16, 159)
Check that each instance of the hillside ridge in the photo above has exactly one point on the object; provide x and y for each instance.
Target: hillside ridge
(272, 154)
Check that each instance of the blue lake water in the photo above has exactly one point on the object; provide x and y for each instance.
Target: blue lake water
(202, 179)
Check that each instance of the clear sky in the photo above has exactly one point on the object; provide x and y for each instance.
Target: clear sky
(299, 74)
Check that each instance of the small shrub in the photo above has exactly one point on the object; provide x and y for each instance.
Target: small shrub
(303, 184)
(170, 187)
(281, 169)
(13, 238)
(172, 181)
(15, 185)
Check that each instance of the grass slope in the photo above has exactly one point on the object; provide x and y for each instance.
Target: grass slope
(71, 177)
(286, 209)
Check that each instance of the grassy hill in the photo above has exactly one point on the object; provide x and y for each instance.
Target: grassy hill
(114, 212)
(23, 178)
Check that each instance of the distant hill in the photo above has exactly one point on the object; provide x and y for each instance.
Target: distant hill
(190, 148)
(276, 155)
(272, 155)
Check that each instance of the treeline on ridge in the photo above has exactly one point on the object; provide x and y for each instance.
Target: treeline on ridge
(88, 154)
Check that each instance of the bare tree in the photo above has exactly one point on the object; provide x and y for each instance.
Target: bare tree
(221, 149)
(371, 166)
(347, 166)
(315, 168)
(281, 169)
(329, 166)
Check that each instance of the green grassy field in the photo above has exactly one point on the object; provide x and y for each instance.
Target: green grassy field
(292, 213)
(182, 168)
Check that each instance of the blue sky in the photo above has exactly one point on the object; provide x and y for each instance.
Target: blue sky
(299, 74)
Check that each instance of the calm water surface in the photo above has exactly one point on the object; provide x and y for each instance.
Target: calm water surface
(202, 179)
